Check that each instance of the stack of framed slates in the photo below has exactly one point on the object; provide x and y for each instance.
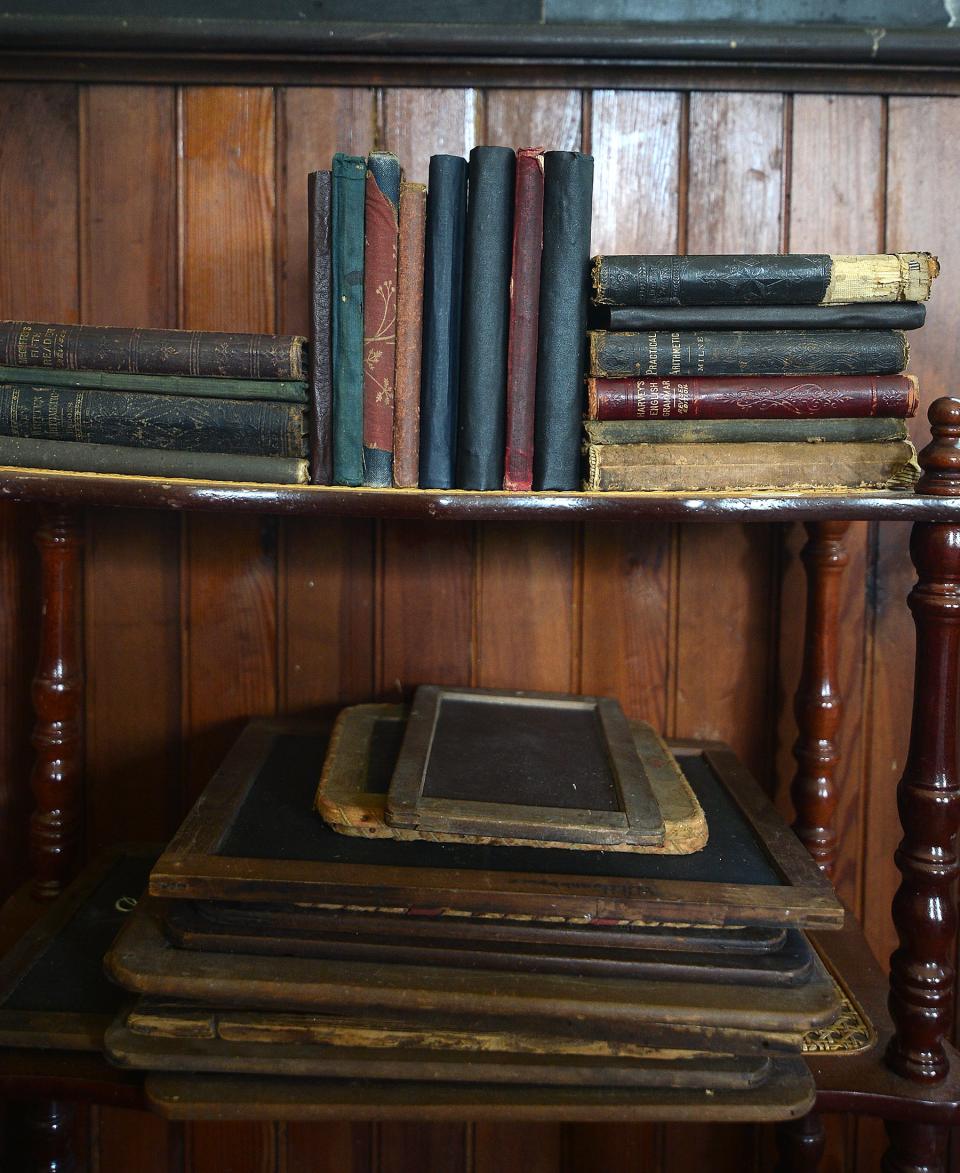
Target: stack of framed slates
(282, 970)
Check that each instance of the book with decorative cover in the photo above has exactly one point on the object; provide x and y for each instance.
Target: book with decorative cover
(762, 279)
(728, 397)
(738, 431)
(160, 352)
(349, 174)
(381, 212)
(747, 352)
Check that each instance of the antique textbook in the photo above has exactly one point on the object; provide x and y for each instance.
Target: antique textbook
(349, 172)
(254, 427)
(68, 456)
(747, 352)
(524, 319)
(406, 400)
(901, 315)
(442, 304)
(752, 279)
(159, 352)
(567, 196)
(738, 431)
(199, 387)
(729, 397)
(749, 466)
(319, 191)
(486, 312)
(381, 212)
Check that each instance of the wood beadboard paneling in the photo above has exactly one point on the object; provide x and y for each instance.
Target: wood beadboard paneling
(248, 616)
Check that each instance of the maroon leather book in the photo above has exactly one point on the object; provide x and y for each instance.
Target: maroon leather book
(812, 397)
(524, 319)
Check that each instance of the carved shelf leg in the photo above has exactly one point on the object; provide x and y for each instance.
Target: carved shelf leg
(817, 704)
(915, 1148)
(928, 796)
(58, 702)
(800, 1144)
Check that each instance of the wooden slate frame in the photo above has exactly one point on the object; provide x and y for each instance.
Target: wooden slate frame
(637, 821)
(51, 1029)
(191, 867)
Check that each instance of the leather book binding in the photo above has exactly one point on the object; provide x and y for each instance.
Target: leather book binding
(661, 354)
(349, 175)
(319, 187)
(901, 315)
(381, 212)
(813, 396)
(524, 319)
(739, 431)
(197, 387)
(752, 466)
(762, 279)
(255, 427)
(567, 196)
(406, 404)
(67, 456)
(158, 352)
(442, 305)
(486, 315)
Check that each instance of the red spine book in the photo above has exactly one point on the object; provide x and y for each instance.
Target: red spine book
(813, 397)
(524, 319)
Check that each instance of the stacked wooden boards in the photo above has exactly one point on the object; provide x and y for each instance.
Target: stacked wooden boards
(277, 962)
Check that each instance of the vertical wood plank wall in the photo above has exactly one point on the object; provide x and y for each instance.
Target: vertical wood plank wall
(165, 205)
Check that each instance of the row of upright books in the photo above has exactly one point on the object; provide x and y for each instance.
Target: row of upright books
(447, 321)
(753, 372)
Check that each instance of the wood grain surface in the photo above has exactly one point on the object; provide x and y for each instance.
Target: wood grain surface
(154, 205)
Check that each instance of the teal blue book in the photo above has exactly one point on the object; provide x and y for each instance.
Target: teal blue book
(349, 182)
(197, 387)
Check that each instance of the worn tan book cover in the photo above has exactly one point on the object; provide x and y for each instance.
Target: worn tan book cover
(738, 467)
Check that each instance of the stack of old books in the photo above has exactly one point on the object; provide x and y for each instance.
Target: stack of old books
(510, 899)
(753, 372)
(447, 321)
(178, 403)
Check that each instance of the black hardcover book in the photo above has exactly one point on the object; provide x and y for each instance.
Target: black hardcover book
(442, 300)
(567, 199)
(255, 427)
(488, 256)
(762, 279)
(661, 353)
(321, 353)
(904, 315)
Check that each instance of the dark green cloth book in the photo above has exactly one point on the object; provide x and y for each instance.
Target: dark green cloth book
(662, 353)
(488, 253)
(442, 305)
(197, 387)
(253, 427)
(68, 456)
(567, 196)
(742, 431)
(349, 181)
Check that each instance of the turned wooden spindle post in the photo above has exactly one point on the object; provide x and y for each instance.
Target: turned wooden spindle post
(817, 702)
(800, 1144)
(58, 703)
(928, 796)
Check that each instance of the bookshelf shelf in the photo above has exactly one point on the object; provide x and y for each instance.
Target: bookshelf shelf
(78, 489)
